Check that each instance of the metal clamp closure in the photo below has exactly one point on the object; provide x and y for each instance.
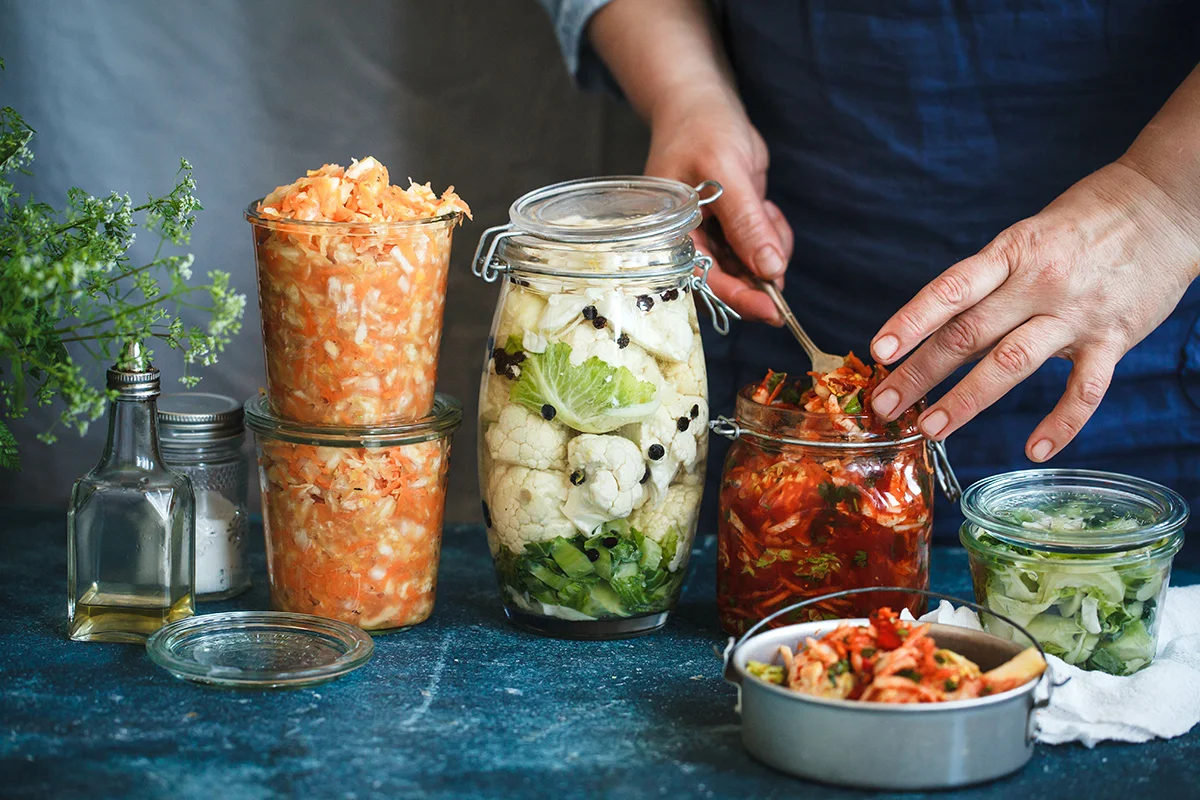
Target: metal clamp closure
(717, 308)
(488, 266)
(947, 480)
(717, 188)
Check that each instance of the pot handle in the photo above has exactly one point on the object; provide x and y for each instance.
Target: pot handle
(732, 675)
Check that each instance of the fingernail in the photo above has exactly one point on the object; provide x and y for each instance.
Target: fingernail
(934, 423)
(1041, 449)
(769, 263)
(885, 402)
(885, 348)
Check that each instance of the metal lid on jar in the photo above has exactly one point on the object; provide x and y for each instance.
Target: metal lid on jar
(610, 209)
(1073, 510)
(196, 417)
(439, 424)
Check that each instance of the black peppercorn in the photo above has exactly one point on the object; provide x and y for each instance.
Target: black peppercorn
(517, 357)
(548, 412)
(589, 313)
(670, 294)
(592, 554)
(623, 341)
(645, 302)
(511, 372)
(487, 515)
(645, 476)
(577, 478)
(609, 541)
(695, 411)
(682, 424)
(599, 322)
(656, 452)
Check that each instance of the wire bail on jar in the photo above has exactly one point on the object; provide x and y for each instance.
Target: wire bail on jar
(947, 480)
(488, 266)
(717, 307)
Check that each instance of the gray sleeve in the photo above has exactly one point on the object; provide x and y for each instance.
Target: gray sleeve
(570, 19)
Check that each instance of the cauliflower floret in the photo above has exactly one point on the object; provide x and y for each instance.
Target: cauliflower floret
(586, 341)
(521, 437)
(658, 325)
(525, 505)
(564, 310)
(689, 377)
(520, 311)
(673, 440)
(679, 512)
(606, 480)
(493, 397)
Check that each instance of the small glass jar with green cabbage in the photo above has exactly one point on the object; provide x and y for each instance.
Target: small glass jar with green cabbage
(1080, 558)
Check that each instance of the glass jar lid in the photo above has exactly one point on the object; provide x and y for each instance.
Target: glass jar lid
(198, 417)
(441, 422)
(609, 210)
(1074, 510)
(259, 649)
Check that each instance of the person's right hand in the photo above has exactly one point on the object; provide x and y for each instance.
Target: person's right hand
(703, 134)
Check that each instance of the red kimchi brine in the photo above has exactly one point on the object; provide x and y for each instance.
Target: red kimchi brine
(817, 496)
(353, 518)
(352, 285)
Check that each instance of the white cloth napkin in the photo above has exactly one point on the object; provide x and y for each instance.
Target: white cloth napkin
(1161, 701)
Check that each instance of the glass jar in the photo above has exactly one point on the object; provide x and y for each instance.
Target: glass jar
(351, 316)
(594, 403)
(130, 523)
(202, 436)
(808, 509)
(353, 515)
(1082, 559)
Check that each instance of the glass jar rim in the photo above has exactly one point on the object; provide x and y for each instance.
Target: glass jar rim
(984, 499)
(355, 228)
(796, 423)
(439, 424)
(554, 212)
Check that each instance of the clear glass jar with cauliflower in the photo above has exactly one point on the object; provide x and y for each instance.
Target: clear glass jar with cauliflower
(593, 428)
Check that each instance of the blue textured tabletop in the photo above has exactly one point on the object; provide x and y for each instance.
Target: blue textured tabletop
(463, 706)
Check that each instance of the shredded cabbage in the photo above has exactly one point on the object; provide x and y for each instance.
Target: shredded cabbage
(1089, 615)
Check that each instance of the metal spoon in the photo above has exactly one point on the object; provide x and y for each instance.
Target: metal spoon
(821, 361)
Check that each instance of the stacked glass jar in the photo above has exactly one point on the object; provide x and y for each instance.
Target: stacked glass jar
(353, 442)
(594, 403)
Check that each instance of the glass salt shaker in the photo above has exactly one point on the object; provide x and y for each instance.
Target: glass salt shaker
(130, 523)
(202, 437)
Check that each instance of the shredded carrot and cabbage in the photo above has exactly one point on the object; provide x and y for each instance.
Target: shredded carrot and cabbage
(352, 313)
(354, 533)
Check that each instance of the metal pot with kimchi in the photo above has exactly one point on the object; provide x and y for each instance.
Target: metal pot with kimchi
(817, 496)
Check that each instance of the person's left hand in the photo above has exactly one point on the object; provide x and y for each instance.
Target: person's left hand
(1086, 279)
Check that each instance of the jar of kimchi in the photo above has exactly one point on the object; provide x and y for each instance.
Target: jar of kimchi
(352, 516)
(594, 403)
(813, 502)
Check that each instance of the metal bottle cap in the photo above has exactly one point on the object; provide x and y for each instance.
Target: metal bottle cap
(137, 379)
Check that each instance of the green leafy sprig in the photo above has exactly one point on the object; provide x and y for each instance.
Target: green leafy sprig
(68, 283)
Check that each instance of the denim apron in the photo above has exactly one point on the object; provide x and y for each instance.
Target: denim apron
(904, 135)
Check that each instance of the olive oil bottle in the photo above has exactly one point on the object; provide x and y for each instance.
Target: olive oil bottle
(131, 523)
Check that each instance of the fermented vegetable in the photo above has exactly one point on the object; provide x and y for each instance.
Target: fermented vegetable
(352, 284)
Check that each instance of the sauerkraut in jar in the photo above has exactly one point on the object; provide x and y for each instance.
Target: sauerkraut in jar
(352, 285)
(353, 516)
(594, 406)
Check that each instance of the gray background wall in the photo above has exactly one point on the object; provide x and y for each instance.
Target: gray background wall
(469, 92)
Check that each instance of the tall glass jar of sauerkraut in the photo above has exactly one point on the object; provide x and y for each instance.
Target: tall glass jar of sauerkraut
(352, 516)
(594, 403)
(812, 505)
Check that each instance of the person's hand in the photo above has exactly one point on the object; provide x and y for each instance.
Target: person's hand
(1086, 279)
(704, 134)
